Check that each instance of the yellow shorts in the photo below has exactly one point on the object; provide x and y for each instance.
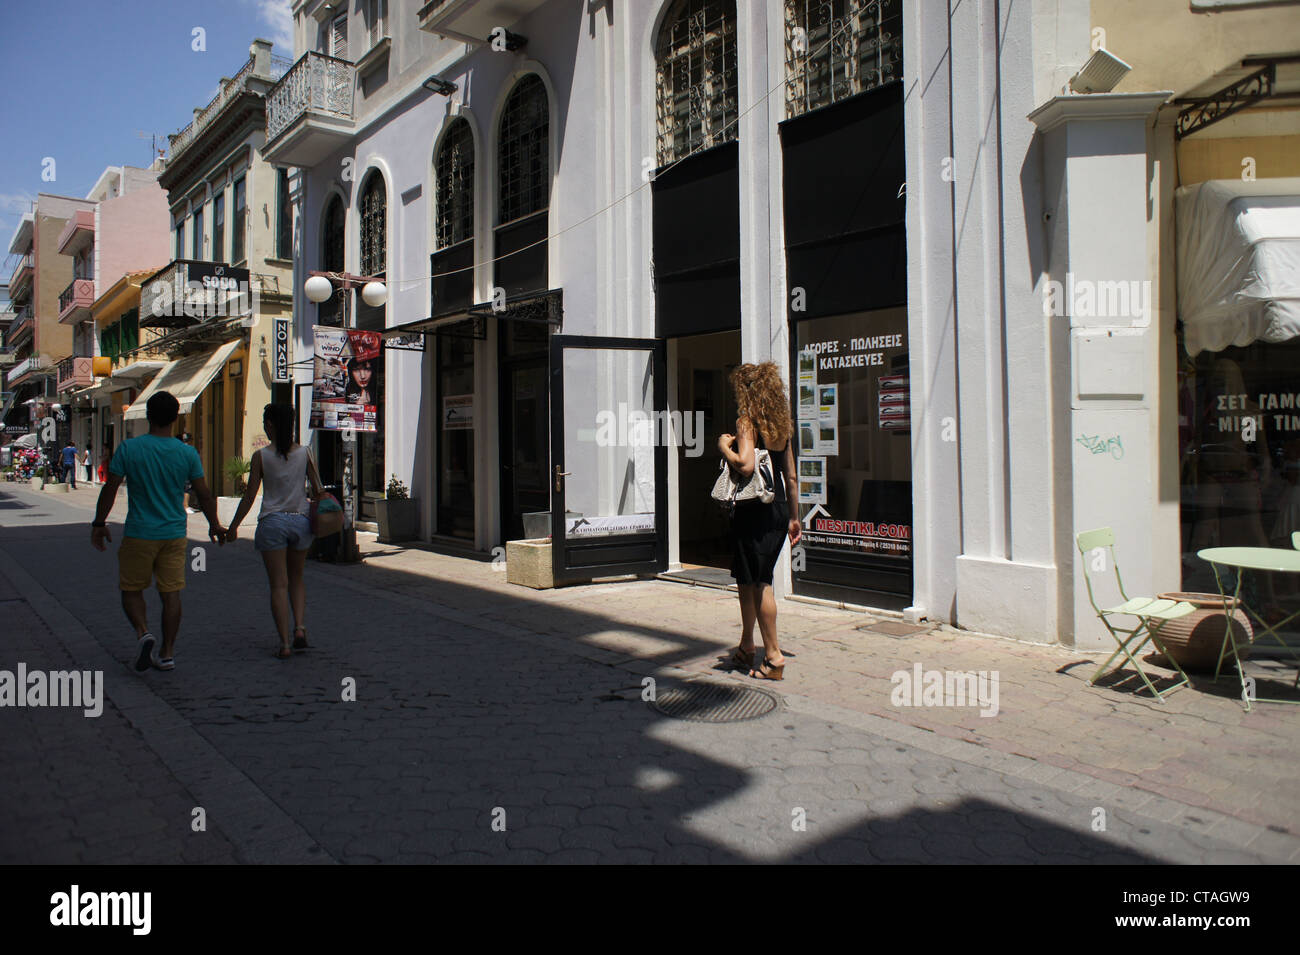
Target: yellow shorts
(138, 561)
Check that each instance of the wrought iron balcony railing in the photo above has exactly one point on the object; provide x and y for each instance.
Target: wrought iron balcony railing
(229, 90)
(315, 84)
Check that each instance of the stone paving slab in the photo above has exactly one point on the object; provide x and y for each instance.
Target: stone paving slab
(476, 700)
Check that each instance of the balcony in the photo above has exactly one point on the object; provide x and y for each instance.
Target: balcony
(186, 292)
(75, 301)
(253, 78)
(473, 20)
(309, 112)
(23, 369)
(78, 233)
(75, 372)
(22, 277)
(23, 324)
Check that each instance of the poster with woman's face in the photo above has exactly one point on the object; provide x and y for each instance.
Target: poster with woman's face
(345, 385)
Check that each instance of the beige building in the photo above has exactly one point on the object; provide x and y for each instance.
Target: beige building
(213, 308)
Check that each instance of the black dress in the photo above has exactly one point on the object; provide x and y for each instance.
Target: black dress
(758, 530)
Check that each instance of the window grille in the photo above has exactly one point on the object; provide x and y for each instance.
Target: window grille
(374, 234)
(695, 65)
(835, 49)
(453, 169)
(524, 160)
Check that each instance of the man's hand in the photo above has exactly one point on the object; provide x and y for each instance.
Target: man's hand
(99, 536)
(217, 534)
(232, 534)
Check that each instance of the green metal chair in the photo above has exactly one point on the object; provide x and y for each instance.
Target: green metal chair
(1152, 613)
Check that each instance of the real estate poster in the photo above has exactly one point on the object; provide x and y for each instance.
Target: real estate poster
(807, 385)
(827, 437)
(345, 380)
(812, 480)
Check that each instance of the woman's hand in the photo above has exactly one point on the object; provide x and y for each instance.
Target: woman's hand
(232, 534)
(795, 531)
(724, 443)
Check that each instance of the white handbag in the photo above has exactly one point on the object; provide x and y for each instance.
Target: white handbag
(760, 486)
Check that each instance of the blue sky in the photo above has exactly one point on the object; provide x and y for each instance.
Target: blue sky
(81, 78)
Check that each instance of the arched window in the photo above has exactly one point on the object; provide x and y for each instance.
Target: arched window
(695, 66)
(453, 177)
(332, 236)
(374, 226)
(524, 159)
(835, 49)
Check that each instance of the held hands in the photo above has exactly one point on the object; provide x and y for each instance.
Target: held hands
(232, 534)
(99, 536)
(217, 534)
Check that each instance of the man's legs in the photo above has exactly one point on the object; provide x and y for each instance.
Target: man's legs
(136, 611)
(171, 620)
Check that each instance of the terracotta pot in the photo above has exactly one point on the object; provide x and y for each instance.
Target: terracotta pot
(1196, 639)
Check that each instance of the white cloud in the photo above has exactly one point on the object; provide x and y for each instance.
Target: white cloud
(277, 15)
(16, 203)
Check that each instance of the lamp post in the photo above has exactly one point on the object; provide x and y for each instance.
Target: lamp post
(318, 288)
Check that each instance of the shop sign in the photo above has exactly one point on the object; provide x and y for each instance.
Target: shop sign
(458, 413)
(282, 329)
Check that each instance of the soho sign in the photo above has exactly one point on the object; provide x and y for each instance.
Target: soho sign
(282, 328)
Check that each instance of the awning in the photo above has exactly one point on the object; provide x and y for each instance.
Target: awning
(1238, 262)
(185, 378)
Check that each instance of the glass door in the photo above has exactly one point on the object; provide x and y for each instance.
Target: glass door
(609, 456)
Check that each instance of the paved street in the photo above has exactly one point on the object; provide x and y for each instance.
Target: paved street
(496, 724)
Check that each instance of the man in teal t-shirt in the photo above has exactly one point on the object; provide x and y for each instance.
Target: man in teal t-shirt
(156, 467)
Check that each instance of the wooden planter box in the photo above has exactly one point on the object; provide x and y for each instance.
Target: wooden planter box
(528, 563)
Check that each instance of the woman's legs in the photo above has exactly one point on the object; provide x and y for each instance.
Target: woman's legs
(295, 563)
(277, 574)
(764, 609)
(748, 612)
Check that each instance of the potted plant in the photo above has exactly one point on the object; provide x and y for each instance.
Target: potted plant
(236, 471)
(398, 514)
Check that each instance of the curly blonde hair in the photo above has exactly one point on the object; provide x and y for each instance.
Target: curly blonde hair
(761, 398)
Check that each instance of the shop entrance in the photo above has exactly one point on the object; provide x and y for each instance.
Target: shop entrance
(525, 427)
(704, 364)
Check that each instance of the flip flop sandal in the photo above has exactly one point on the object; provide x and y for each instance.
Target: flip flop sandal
(282, 653)
(300, 643)
(144, 655)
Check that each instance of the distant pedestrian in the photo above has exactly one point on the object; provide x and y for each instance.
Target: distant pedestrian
(156, 467)
(283, 528)
(68, 464)
(85, 462)
(758, 530)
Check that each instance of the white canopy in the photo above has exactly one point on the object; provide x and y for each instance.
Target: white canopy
(1238, 262)
(185, 378)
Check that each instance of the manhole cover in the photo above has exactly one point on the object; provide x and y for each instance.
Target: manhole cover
(710, 703)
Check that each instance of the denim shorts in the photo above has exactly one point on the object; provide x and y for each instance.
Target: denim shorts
(281, 531)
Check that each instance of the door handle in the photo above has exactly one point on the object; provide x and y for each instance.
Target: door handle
(559, 485)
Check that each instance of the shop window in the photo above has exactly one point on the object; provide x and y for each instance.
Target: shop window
(453, 173)
(524, 158)
(455, 514)
(1239, 462)
(835, 49)
(851, 393)
(696, 103)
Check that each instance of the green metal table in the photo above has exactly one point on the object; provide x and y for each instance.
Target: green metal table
(1274, 559)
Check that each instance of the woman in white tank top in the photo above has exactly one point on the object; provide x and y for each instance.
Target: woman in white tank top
(283, 470)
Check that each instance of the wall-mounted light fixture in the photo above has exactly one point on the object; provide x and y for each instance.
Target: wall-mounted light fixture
(261, 351)
(436, 84)
(236, 368)
(1100, 74)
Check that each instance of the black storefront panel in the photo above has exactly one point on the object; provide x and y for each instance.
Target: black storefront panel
(697, 244)
(521, 252)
